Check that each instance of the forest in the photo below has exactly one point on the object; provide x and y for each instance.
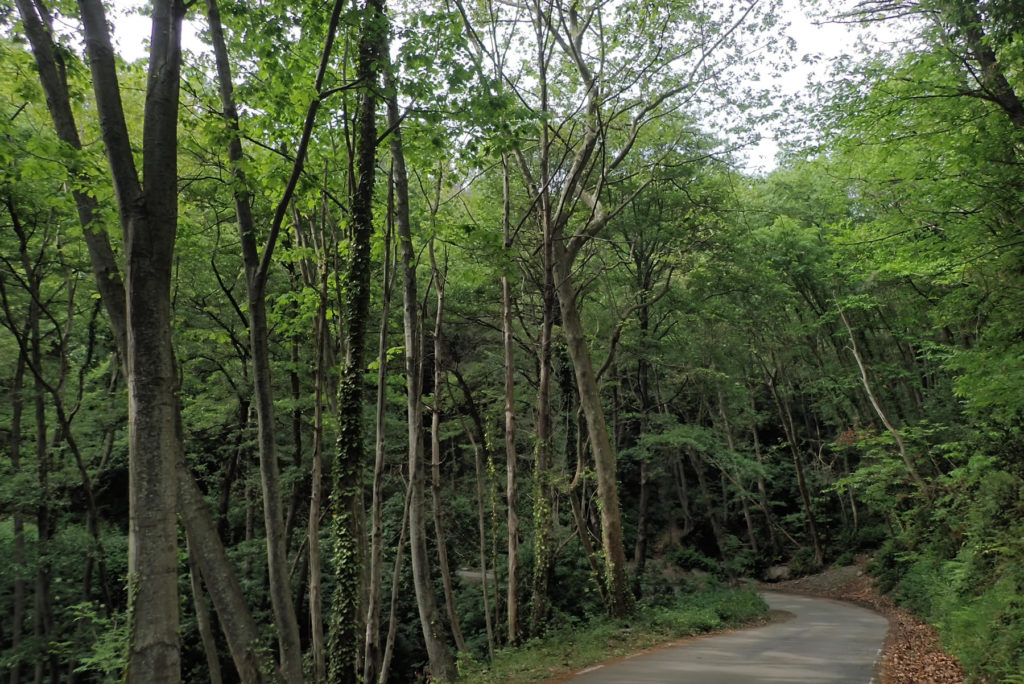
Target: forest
(362, 342)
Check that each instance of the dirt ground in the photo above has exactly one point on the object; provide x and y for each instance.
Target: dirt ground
(912, 654)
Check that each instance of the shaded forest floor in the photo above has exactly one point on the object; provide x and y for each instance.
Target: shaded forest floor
(912, 653)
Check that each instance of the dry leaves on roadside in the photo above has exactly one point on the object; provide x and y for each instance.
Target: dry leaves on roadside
(911, 654)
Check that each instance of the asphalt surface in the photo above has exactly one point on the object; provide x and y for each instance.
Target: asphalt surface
(813, 641)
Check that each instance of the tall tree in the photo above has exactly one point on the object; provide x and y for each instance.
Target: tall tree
(442, 664)
(149, 212)
(347, 614)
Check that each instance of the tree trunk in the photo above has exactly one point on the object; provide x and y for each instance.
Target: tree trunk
(372, 655)
(317, 644)
(762, 489)
(203, 621)
(511, 494)
(582, 529)
(243, 636)
(727, 428)
(786, 417)
(348, 612)
(640, 552)
(20, 589)
(42, 617)
(295, 499)
(544, 492)
(256, 281)
(644, 394)
(620, 598)
(482, 532)
(149, 215)
(442, 665)
(713, 513)
(882, 415)
(53, 78)
(440, 280)
(389, 646)
(476, 442)
(240, 630)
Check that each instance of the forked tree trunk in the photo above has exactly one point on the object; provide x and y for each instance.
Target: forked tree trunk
(620, 598)
(440, 281)
(240, 630)
(442, 665)
(149, 215)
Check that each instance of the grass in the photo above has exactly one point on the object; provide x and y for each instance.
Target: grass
(572, 647)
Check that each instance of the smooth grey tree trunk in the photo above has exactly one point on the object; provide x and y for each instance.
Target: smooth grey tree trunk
(511, 457)
(148, 213)
(442, 664)
(239, 628)
(372, 656)
(440, 539)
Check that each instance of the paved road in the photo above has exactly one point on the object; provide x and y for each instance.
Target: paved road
(817, 641)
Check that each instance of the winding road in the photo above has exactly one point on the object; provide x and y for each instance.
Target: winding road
(812, 640)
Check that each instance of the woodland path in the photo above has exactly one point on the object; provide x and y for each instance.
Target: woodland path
(811, 640)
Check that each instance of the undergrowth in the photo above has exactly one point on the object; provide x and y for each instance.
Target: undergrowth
(968, 579)
(571, 647)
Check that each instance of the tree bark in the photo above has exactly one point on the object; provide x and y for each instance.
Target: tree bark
(511, 493)
(259, 344)
(20, 588)
(544, 493)
(389, 645)
(440, 282)
(240, 630)
(554, 220)
(882, 415)
(372, 658)
(442, 665)
(786, 417)
(203, 621)
(317, 643)
(762, 489)
(149, 214)
(236, 621)
(620, 598)
(582, 529)
(345, 649)
(482, 533)
(53, 78)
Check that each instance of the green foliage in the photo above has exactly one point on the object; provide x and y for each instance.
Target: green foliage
(803, 562)
(106, 639)
(691, 559)
(577, 645)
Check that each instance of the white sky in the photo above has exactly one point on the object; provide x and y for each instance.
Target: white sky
(825, 40)
(814, 38)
